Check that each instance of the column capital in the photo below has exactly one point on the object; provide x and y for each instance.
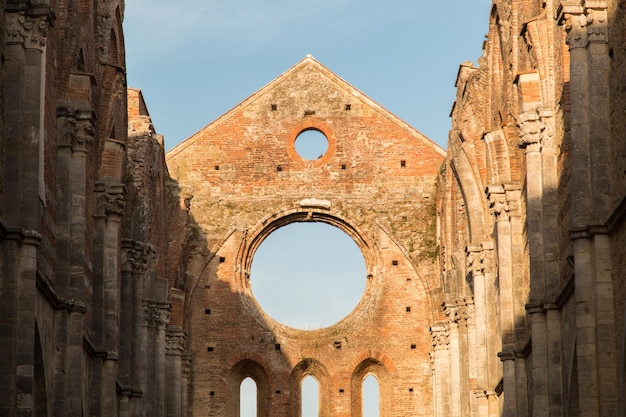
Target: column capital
(175, 342)
(440, 337)
(111, 199)
(503, 200)
(137, 257)
(584, 24)
(29, 31)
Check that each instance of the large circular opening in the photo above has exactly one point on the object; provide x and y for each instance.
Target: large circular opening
(311, 144)
(308, 275)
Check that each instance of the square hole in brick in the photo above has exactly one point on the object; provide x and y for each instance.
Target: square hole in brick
(222, 259)
(277, 346)
(343, 166)
(337, 344)
(212, 393)
(402, 164)
(408, 309)
(207, 311)
(277, 391)
(279, 168)
(410, 389)
(394, 262)
(210, 348)
(274, 107)
(413, 346)
(217, 167)
(348, 107)
(341, 390)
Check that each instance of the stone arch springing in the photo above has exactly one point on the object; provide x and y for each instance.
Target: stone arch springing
(498, 156)
(472, 195)
(318, 371)
(248, 368)
(377, 368)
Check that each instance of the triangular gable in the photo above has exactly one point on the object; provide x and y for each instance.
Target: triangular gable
(309, 62)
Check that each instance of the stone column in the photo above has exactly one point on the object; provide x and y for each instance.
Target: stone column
(175, 343)
(455, 360)
(441, 369)
(111, 203)
(475, 265)
(184, 382)
(500, 208)
(530, 131)
(458, 313)
(590, 198)
(23, 67)
(156, 320)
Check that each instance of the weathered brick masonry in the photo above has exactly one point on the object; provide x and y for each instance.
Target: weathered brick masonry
(495, 270)
(377, 182)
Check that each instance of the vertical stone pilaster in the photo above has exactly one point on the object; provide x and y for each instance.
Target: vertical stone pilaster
(480, 265)
(503, 203)
(110, 200)
(459, 313)
(441, 369)
(587, 38)
(175, 344)
(156, 320)
(184, 382)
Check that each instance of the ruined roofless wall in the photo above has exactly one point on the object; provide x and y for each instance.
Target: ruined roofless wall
(376, 182)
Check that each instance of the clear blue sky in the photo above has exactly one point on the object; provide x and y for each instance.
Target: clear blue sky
(197, 59)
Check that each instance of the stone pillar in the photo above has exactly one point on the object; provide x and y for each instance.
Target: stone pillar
(184, 382)
(459, 312)
(156, 320)
(23, 66)
(530, 132)
(175, 343)
(500, 207)
(590, 198)
(455, 361)
(478, 259)
(110, 201)
(441, 369)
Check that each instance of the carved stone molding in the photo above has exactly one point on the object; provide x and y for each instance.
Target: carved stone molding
(530, 128)
(137, 257)
(111, 199)
(480, 258)
(156, 314)
(186, 366)
(30, 32)
(535, 127)
(585, 26)
(440, 337)
(460, 311)
(174, 342)
(76, 128)
(503, 200)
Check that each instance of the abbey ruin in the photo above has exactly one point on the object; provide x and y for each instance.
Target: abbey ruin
(495, 268)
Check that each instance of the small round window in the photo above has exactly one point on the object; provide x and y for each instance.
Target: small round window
(311, 144)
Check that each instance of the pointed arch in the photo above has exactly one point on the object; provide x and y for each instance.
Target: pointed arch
(238, 372)
(472, 195)
(371, 366)
(304, 368)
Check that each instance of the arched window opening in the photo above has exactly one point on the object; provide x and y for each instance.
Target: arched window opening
(247, 398)
(310, 397)
(371, 400)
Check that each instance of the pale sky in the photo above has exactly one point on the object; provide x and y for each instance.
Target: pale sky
(197, 59)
